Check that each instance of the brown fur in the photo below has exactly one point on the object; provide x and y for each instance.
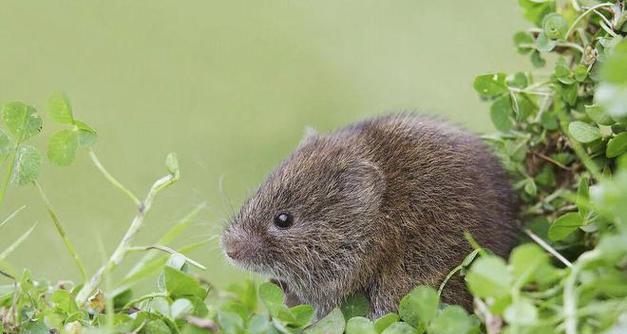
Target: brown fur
(379, 207)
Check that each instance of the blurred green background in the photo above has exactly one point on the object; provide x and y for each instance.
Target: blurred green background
(229, 86)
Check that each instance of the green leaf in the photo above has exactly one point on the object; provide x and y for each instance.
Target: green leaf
(489, 277)
(419, 306)
(598, 115)
(246, 292)
(524, 42)
(544, 44)
(62, 147)
(584, 132)
(64, 301)
(270, 293)
(580, 72)
(27, 165)
(86, 135)
(614, 68)
(501, 112)
(180, 285)
(360, 325)
(452, 320)
(569, 93)
(35, 327)
(272, 297)
(400, 328)
(181, 308)
(583, 196)
(548, 120)
(385, 321)
(530, 187)
(565, 225)
(303, 314)
(120, 299)
(21, 120)
(524, 106)
(518, 80)
(546, 176)
(60, 109)
(521, 313)
(536, 59)
(157, 326)
(152, 267)
(562, 72)
(491, 85)
(554, 26)
(525, 261)
(230, 322)
(332, 323)
(355, 305)
(617, 145)
(535, 10)
(258, 324)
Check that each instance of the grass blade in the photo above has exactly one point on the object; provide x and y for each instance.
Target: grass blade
(153, 266)
(16, 243)
(12, 215)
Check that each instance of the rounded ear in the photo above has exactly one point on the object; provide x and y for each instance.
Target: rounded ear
(364, 186)
(310, 135)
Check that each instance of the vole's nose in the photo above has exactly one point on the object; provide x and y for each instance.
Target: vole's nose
(233, 248)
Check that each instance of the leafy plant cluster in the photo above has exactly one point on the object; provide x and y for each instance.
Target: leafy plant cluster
(561, 135)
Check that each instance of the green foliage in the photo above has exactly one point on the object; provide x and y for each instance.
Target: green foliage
(561, 149)
(561, 136)
(419, 306)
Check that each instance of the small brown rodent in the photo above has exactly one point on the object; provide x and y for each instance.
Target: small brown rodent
(377, 208)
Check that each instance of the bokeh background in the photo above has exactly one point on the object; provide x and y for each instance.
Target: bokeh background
(230, 87)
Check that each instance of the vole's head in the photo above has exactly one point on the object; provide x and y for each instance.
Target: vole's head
(313, 216)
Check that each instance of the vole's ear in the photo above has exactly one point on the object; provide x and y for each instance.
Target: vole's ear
(310, 135)
(364, 186)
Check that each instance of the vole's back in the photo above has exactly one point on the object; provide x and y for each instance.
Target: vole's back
(440, 181)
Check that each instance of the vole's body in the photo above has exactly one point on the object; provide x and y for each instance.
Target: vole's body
(378, 207)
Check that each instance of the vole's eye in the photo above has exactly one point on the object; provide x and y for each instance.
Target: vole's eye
(283, 220)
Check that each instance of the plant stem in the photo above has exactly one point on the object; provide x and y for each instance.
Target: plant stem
(582, 15)
(144, 297)
(461, 266)
(167, 238)
(571, 45)
(570, 295)
(548, 247)
(112, 179)
(61, 231)
(529, 91)
(125, 244)
(7, 177)
(167, 250)
(7, 275)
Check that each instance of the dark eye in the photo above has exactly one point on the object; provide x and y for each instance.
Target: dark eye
(283, 220)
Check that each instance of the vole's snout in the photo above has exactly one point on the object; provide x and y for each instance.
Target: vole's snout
(237, 248)
(233, 248)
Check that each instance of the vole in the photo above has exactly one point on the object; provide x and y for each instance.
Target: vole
(377, 208)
